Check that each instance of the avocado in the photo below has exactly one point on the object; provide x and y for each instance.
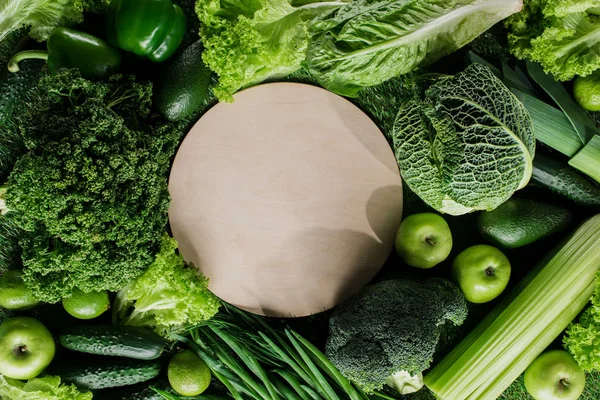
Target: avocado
(519, 222)
(184, 85)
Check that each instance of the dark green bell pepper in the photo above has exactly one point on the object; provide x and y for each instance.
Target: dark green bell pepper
(68, 48)
(149, 28)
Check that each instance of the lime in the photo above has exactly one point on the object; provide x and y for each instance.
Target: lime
(14, 295)
(86, 305)
(586, 91)
(188, 374)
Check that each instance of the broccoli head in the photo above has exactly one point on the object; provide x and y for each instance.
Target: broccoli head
(392, 326)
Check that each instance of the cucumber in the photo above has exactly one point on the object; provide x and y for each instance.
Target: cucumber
(113, 340)
(13, 87)
(519, 222)
(184, 86)
(561, 179)
(141, 391)
(107, 372)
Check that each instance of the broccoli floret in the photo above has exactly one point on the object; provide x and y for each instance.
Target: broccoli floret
(392, 326)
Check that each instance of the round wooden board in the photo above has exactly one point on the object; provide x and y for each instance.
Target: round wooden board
(287, 199)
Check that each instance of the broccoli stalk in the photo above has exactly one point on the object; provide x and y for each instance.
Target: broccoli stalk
(388, 333)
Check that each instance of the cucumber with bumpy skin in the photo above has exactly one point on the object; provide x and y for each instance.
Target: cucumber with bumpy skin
(107, 372)
(13, 87)
(563, 180)
(113, 340)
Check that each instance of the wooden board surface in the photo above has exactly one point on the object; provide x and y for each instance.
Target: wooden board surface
(287, 199)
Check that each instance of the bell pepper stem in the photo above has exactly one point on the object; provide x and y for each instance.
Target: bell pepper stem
(13, 64)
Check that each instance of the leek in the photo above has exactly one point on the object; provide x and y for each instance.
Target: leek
(569, 129)
(501, 347)
(550, 125)
(587, 160)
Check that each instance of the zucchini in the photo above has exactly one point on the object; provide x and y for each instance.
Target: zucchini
(563, 180)
(107, 372)
(113, 340)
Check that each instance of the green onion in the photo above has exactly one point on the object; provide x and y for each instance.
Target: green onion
(256, 361)
(587, 160)
(499, 349)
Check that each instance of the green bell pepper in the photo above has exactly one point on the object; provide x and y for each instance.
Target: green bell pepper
(150, 28)
(68, 48)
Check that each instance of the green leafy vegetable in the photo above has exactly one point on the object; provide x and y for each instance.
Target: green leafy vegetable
(42, 16)
(46, 388)
(562, 35)
(467, 144)
(92, 188)
(368, 42)
(167, 297)
(247, 42)
(390, 327)
(582, 338)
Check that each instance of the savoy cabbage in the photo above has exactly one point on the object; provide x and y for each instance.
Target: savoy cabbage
(466, 143)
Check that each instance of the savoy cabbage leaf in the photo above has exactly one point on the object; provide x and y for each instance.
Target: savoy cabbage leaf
(466, 144)
(367, 42)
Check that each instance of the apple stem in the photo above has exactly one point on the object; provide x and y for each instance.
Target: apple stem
(430, 241)
(20, 350)
(489, 271)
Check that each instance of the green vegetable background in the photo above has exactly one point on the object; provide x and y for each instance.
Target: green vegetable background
(475, 98)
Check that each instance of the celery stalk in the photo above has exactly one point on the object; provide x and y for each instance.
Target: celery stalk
(519, 328)
(587, 160)
(503, 380)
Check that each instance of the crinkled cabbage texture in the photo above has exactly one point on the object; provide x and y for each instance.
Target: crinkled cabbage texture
(466, 144)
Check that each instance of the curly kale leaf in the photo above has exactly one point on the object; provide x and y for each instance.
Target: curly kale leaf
(467, 144)
(92, 189)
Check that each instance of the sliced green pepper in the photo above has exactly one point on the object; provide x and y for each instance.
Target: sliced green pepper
(150, 28)
(68, 48)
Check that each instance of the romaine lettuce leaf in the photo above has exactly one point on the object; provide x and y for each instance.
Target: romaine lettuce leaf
(467, 144)
(367, 42)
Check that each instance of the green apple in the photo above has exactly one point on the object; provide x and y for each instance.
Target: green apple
(554, 375)
(482, 272)
(26, 348)
(423, 240)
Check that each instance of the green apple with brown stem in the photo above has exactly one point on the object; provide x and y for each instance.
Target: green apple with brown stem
(26, 348)
(554, 375)
(423, 240)
(482, 272)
